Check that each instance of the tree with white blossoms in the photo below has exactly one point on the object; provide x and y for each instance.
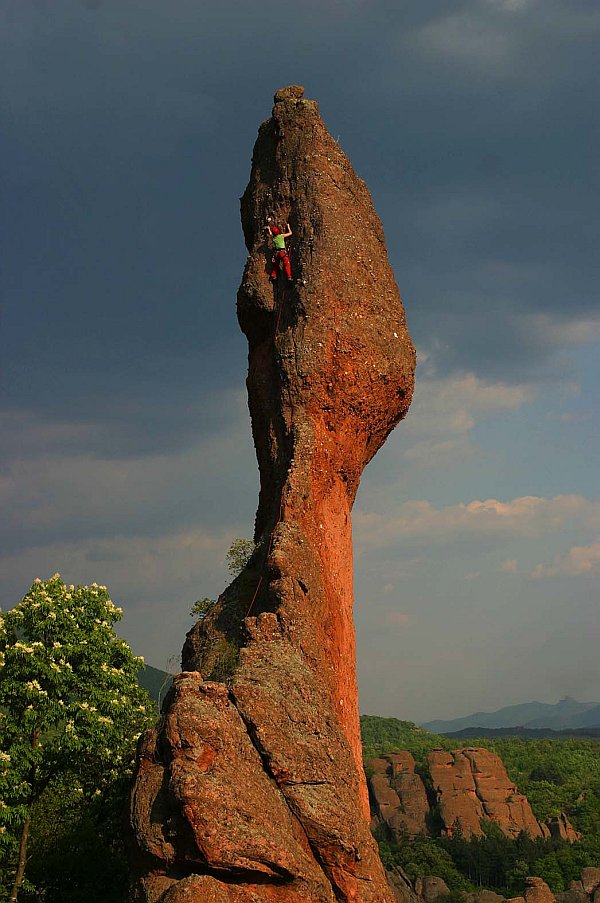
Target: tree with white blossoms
(69, 702)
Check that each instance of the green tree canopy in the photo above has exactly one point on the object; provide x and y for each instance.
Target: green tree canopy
(69, 702)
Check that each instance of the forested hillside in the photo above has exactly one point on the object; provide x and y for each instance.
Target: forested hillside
(556, 776)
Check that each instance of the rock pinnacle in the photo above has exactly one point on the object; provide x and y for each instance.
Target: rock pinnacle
(252, 787)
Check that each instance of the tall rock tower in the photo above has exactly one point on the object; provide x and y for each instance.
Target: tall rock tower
(251, 788)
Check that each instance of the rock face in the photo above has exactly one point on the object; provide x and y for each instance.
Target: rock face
(537, 891)
(251, 789)
(398, 795)
(401, 886)
(430, 887)
(472, 784)
(561, 828)
(590, 879)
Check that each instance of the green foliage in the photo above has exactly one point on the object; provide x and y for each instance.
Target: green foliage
(496, 861)
(76, 845)
(421, 856)
(565, 862)
(556, 776)
(226, 660)
(385, 735)
(239, 554)
(201, 607)
(70, 702)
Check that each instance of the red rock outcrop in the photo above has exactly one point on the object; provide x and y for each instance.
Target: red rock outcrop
(590, 879)
(537, 891)
(252, 788)
(561, 828)
(398, 794)
(471, 785)
(430, 887)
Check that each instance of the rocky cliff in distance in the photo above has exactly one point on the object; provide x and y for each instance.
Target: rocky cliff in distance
(467, 786)
(398, 794)
(472, 784)
(251, 788)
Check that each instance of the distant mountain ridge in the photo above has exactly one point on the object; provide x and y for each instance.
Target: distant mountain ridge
(155, 681)
(566, 714)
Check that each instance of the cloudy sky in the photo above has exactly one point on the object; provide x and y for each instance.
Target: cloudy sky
(128, 128)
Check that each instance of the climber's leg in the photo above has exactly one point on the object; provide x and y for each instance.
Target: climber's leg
(274, 267)
(286, 265)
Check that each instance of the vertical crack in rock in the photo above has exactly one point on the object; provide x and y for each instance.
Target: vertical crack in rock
(257, 765)
(472, 784)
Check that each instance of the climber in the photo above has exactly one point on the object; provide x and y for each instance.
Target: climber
(280, 259)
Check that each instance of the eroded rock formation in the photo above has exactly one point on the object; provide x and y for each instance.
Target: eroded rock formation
(398, 795)
(467, 786)
(251, 789)
(561, 828)
(472, 784)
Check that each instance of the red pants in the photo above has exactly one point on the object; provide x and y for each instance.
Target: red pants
(280, 258)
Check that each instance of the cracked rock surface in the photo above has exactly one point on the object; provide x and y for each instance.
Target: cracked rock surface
(471, 784)
(251, 788)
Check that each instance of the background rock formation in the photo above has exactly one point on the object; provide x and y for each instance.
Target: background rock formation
(252, 787)
(472, 784)
(467, 785)
(398, 794)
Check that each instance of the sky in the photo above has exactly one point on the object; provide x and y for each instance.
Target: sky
(128, 128)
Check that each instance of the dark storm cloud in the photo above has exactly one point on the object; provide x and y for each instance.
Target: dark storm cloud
(129, 129)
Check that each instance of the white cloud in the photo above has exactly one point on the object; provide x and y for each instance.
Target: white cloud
(524, 517)
(445, 411)
(558, 332)
(579, 561)
(61, 484)
(397, 618)
(467, 38)
(510, 6)
(484, 39)
(139, 564)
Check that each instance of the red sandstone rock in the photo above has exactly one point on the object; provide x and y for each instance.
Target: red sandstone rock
(590, 879)
(573, 895)
(330, 374)
(430, 887)
(398, 794)
(401, 886)
(537, 891)
(561, 828)
(472, 784)
(486, 896)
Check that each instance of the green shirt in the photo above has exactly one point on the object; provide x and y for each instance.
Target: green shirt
(279, 242)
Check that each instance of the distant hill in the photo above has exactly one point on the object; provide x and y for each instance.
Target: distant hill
(566, 714)
(156, 682)
(527, 733)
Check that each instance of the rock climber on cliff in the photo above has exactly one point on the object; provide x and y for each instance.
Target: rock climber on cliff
(280, 259)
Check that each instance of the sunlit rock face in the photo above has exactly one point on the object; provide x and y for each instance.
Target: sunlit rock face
(252, 787)
(471, 784)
